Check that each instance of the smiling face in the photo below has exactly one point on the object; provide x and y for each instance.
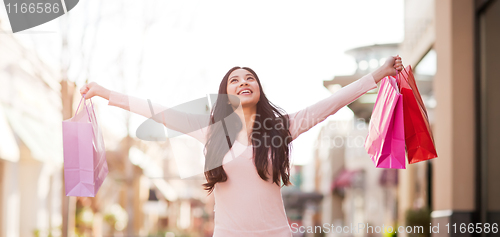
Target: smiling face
(244, 85)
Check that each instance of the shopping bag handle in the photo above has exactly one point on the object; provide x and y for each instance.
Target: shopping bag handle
(91, 117)
(407, 74)
(398, 79)
(77, 108)
(93, 112)
(398, 83)
(86, 108)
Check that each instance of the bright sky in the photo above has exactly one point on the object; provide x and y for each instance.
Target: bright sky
(292, 45)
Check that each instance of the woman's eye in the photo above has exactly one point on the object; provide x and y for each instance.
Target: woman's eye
(233, 80)
(250, 78)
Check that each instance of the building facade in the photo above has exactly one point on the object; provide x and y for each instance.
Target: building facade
(464, 36)
(30, 143)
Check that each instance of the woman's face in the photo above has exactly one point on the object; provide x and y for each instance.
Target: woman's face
(244, 85)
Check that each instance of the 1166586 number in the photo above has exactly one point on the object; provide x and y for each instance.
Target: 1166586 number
(33, 8)
(473, 228)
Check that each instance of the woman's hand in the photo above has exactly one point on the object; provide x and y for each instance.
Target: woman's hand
(391, 67)
(93, 89)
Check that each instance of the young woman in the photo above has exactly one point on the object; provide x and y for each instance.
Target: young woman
(247, 143)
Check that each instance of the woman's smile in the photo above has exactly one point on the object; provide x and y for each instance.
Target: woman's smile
(245, 92)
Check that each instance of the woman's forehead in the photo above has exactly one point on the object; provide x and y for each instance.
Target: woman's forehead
(240, 73)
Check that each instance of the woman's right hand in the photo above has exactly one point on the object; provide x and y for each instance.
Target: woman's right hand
(93, 89)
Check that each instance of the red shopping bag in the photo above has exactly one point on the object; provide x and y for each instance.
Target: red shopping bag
(385, 141)
(85, 165)
(418, 135)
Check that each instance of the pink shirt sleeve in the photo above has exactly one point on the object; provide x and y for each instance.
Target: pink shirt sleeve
(307, 118)
(194, 125)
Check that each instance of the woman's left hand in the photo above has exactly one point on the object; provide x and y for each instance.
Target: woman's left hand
(393, 65)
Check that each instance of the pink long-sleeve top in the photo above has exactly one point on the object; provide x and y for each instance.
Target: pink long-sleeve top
(246, 205)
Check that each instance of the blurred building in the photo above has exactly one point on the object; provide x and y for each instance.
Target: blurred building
(458, 42)
(302, 207)
(155, 199)
(30, 143)
(453, 48)
(142, 194)
(354, 190)
(192, 211)
(367, 59)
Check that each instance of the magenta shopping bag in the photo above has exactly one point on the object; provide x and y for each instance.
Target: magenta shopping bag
(85, 165)
(385, 142)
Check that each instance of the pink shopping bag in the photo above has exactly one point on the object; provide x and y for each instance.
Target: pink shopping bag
(385, 142)
(85, 165)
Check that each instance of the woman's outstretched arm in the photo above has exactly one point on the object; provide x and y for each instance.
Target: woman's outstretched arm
(194, 125)
(307, 118)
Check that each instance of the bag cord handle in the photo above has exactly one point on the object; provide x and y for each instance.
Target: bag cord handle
(86, 108)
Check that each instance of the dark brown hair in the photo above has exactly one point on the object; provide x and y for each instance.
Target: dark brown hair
(270, 122)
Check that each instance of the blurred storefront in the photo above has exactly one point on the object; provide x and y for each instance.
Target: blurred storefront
(355, 192)
(142, 194)
(453, 48)
(30, 143)
(458, 41)
(303, 208)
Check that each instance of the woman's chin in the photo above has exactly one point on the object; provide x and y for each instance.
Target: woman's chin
(248, 103)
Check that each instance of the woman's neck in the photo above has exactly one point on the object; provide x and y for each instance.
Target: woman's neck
(248, 117)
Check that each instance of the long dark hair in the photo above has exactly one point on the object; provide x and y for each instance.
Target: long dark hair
(271, 124)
